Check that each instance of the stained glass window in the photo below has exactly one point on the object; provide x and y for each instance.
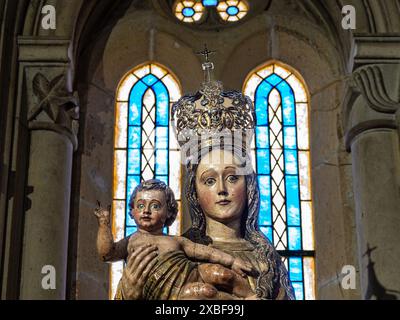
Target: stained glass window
(189, 11)
(281, 154)
(232, 10)
(144, 145)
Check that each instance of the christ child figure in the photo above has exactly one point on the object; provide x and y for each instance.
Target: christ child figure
(179, 260)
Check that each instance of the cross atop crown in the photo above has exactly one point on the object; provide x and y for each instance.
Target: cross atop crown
(207, 66)
(213, 115)
(206, 53)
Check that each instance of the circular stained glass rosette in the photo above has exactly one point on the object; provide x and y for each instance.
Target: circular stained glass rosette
(232, 10)
(189, 11)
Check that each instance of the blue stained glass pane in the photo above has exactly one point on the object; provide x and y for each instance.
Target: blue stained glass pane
(274, 79)
(261, 103)
(161, 162)
(265, 201)
(291, 161)
(232, 10)
(131, 183)
(262, 137)
(162, 138)
(293, 215)
(162, 103)
(295, 269)
(264, 217)
(268, 232)
(294, 238)
(188, 12)
(298, 290)
(292, 200)
(288, 103)
(292, 196)
(129, 231)
(210, 3)
(289, 137)
(263, 166)
(150, 79)
(129, 221)
(135, 103)
(163, 179)
(134, 137)
(133, 161)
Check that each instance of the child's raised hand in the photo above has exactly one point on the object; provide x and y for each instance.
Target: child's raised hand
(103, 215)
(242, 267)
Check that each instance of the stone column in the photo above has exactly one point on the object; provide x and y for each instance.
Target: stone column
(373, 139)
(52, 115)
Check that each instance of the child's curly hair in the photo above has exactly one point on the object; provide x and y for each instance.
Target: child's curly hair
(155, 184)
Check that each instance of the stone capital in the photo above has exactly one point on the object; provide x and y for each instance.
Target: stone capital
(56, 109)
(44, 50)
(379, 85)
(376, 49)
(373, 100)
(46, 85)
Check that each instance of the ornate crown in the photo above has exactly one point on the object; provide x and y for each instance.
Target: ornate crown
(212, 113)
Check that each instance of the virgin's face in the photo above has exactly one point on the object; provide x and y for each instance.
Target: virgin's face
(221, 191)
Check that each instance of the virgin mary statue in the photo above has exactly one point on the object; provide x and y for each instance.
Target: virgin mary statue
(214, 128)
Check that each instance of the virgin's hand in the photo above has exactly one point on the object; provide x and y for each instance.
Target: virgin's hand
(136, 271)
(242, 267)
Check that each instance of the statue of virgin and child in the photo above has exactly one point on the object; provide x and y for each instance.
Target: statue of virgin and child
(223, 255)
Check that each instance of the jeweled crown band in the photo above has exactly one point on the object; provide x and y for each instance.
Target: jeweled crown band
(207, 114)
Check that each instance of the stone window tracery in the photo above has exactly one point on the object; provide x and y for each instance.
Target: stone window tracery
(144, 145)
(281, 154)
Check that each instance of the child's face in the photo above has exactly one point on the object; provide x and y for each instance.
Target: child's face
(150, 211)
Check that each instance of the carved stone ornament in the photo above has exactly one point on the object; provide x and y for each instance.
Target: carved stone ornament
(369, 81)
(61, 107)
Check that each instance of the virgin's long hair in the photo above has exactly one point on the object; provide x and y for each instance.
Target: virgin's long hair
(275, 275)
